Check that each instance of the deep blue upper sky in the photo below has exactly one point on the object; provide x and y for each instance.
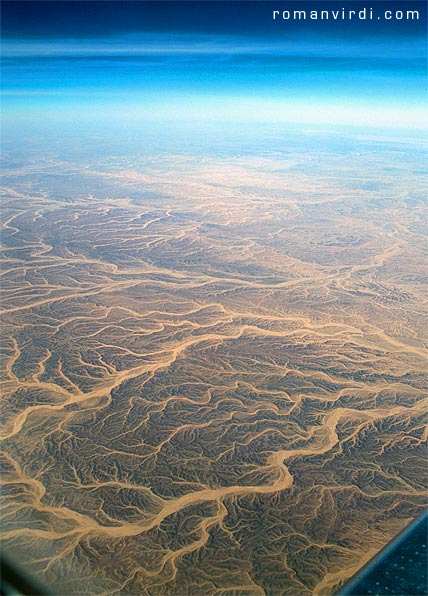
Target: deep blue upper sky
(99, 19)
(218, 60)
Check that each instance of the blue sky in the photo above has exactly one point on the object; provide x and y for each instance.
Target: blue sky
(211, 61)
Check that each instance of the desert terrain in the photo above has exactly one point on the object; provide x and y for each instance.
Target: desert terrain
(214, 367)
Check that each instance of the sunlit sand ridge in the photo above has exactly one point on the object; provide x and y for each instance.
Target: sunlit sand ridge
(213, 373)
